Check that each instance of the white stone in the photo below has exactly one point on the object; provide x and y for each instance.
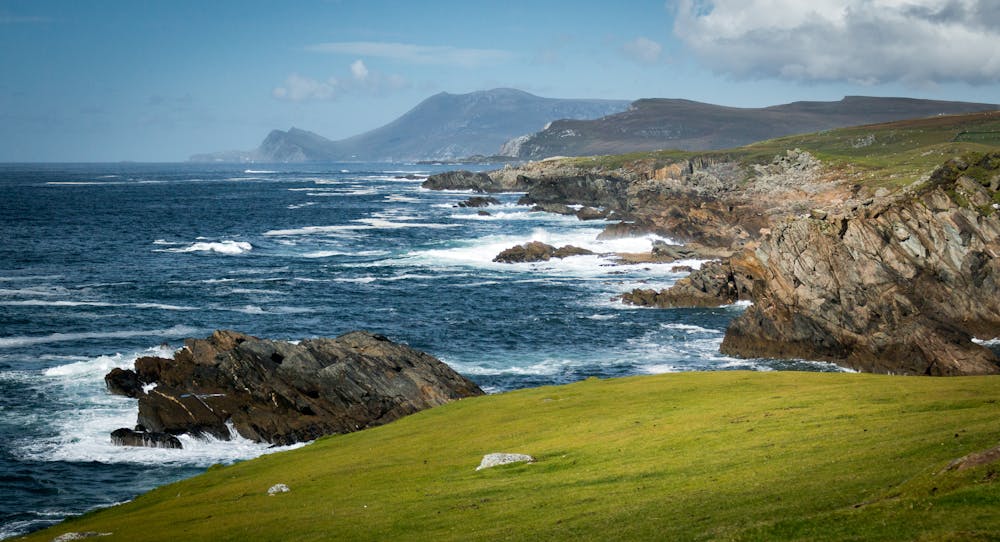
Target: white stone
(278, 488)
(494, 460)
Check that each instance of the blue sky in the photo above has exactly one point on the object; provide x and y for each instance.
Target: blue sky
(159, 81)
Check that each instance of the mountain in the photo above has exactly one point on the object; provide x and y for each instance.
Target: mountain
(442, 127)
(653, 124)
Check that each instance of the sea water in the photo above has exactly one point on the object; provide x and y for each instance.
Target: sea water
(102, 263)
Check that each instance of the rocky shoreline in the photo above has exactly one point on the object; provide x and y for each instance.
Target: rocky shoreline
(279, 392)
(890, 281)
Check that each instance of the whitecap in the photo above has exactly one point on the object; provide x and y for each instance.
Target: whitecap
(689, 328)
(302, 205)
(258, 171)
(227, 247)
(30, 340)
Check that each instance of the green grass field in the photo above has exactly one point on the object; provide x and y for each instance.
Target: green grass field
(893, 154)
(691, 456)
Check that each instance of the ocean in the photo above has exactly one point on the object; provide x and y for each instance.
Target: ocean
(102, 263)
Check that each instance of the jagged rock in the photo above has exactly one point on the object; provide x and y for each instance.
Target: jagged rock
(555, 208)
(279, 392)
(123, 382)
(621, 230)
(461, 180)
(536, 251)
(590, 213)
(495, 460)
(128, 437)
(479, 201)
(712, 285)
(598, 191)
(901, 289)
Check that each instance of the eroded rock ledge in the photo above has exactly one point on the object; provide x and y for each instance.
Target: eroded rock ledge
(279, 392)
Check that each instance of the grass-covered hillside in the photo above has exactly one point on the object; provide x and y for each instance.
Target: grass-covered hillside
(890, 154)
(696, 456)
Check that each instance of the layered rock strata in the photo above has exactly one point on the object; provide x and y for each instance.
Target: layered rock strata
(901, 287)
(281, 393)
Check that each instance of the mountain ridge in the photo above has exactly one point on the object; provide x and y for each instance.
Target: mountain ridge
(441, 127)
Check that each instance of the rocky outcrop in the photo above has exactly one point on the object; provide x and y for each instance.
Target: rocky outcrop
(895, 287)
(479, 201)
(130, 437)
(476, 181)
(591, 190)
(279, 392)
(713, 285)
(536, 251)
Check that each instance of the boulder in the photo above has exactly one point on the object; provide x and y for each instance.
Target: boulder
(555, 208)
(123, 382)
(536, 251)
(497, 459)
(479, 201)
(281, 393)
(590, 213)
(129, 437)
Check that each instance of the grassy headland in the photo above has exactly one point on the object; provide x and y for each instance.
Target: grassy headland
(694, 456)
(889, 154)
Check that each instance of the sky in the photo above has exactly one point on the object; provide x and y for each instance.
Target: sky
(159, 81)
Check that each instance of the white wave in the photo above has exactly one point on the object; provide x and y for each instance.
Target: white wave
(63, 303)
(987, 342)
(689, 328)
(30, 277)
(227, 247)
(602, 316)
(34, 291)
(358, 225)
(356, 280)
(324, 254)
(256, 291)
(399, 198)
(258, 310)
(176, 331)
(258, 171)
(302, 205)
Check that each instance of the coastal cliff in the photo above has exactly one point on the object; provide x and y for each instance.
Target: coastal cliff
(876, 256)
(901, 287)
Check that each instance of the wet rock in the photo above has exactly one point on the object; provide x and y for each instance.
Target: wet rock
(129, 437)
(479, 201)
(461, 180)
(555, 208)
(536, 251)
(590, 213)
(279, 392)
(713, 285)
(123, 382)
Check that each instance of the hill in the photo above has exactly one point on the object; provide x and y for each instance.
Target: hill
(442, 127)
(696, 456)
(654, 124)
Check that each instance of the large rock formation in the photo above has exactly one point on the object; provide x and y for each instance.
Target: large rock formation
(279, 392)
(537, 251)
(897, 287)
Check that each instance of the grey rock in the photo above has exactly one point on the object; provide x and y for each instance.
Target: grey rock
(497, 459)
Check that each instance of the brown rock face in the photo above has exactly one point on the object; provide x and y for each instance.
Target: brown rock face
(278, 392)
(713, 285)
(901, 288)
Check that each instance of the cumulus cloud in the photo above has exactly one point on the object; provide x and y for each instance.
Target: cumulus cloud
(643, 50)
(416, 54)
(298, 88)
(862, 41)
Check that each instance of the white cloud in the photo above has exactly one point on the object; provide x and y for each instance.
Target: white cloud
(643, 50)
(863, 41)
(298, 88)
(416, 54)
(304, 89)
(359, 70)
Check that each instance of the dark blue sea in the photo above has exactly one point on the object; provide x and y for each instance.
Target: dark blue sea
(102, 263)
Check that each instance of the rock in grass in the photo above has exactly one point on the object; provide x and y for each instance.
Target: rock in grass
(495, 460)
(78, 536)
(277, 488)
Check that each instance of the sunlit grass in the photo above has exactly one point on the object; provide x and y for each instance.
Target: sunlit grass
(696, 456)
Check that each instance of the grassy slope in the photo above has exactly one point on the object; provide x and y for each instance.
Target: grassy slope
(897, 154)
(694, 456)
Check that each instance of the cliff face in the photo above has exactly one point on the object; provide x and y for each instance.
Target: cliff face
(898, 287)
